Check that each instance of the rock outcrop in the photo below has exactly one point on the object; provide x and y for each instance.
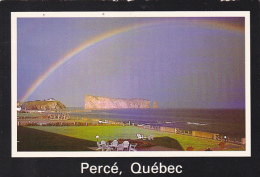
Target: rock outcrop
(155, 105)
(98, 102)
(43, 105)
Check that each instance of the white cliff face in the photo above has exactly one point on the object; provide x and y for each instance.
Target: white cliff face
(92, 102)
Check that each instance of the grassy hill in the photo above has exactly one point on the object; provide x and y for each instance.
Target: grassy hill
(43, 105)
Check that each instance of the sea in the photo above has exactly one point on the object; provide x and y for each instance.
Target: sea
(226, 122)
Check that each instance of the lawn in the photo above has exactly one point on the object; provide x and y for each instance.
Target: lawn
(28, 115)
(30, 139)
(80, 137)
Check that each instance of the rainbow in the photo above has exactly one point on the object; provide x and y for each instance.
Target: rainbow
(90, 42)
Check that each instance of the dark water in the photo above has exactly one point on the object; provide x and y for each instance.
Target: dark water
(230, 122)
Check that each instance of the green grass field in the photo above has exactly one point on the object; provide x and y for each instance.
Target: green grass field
(27, 115)
(79, 138)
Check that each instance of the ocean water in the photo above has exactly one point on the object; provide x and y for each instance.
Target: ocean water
(229, 122)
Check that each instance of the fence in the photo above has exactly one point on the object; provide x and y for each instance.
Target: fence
(214, 136)
(169, 129)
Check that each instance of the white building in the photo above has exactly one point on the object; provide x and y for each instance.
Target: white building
(50, 99)
(19, 108)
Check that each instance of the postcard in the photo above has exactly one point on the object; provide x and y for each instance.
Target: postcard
(131, 84)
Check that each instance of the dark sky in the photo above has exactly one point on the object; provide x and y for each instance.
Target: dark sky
(178, 62)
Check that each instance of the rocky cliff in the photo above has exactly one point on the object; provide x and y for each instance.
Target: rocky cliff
(155, 105)
(43, 105)
(97, 102)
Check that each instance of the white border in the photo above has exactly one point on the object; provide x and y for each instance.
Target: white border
(15, 15)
